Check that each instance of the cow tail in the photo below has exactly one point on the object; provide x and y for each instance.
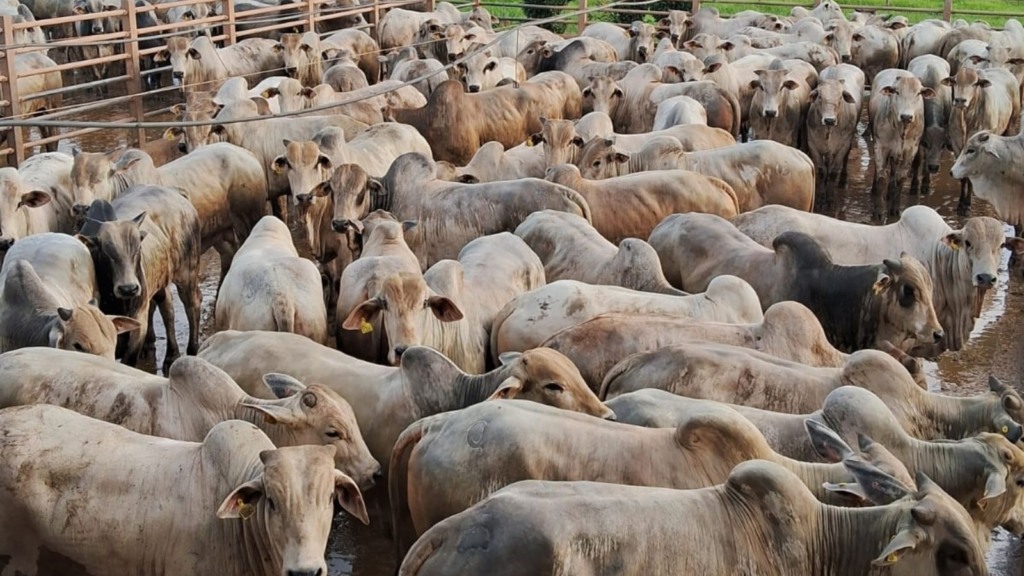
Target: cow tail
(284, 314)
(422, 551)
(578, 199)
(614, 373)
(737, 115)
(398, 487)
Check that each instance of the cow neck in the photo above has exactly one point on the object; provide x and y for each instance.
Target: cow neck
(846, 540)
(954, 418)
(278, 433)
(958, 125)
(943, 462)
(814, 474)
(258, 555)
(193, 407)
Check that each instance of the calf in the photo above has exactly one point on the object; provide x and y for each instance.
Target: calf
(199, 65)
(300, 54)
(636, 43)
(148, 238)
(269, 287)
(932, 71)
(482, 71)
(282, 493)
(858, 306)
(778, 109)
(896, 113)
(832, 126)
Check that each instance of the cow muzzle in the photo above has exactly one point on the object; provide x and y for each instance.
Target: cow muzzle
(311, 572)
(6, 243)
(771, 113)
(933, 168)
(473, 88)
(340, 226)
(828, 121)
(906, 118)
(127, 290)
(846, 58)
(292, 72)
(453, 57)
(960, 102)
(97, 29)
(178, 75)
(937, 336)
(984, 280)
(80, 209)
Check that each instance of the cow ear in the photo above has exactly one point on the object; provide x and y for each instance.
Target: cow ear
(948, 81)
(1015, 245)
(617, 93)
(349, 497)
(754, 84)
(241, 503)
(218, 129)
(194, 54)
(954, 240)
(928, 93)
(88, 242)
(282, 385)
(138, 220)
(467, 179)
(621, 157)
(827, 443)
(324, 163)
(362, 315)
(814, 94)
(587, 92)
(279, 165)
(995, 486)
(535, 138)
(124, 164)
(162, 56)
(124, 324)
(983, 83)
(275, 414)
(712, 67)
(34, 199)
(994, 385)
(879, 487)
(888, 90)
(270, 93)
(884, 281)
(904, 540)
(65, 314)
(506, 358)
(508, 389)
(178, 109)
(790, 84)
(409, 225)
(278, 48)
(444, 309)
(323, 189)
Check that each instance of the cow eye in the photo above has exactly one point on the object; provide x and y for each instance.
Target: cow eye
(968, 244)
(78, 347)
(553, 387)
(383, 304)
(332, 433)
(597, 164)
(426, 303)
(971, 150)
(908, 291)
(270, 501)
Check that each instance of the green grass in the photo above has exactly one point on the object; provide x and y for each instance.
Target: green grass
(966, 9)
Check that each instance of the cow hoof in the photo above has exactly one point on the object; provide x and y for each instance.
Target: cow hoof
(963, 209)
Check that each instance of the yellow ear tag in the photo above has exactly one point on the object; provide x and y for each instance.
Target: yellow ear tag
(365, 327)
(529, 142)
(892, 558)
(245, 510)
(1006, 429)
(169, 135)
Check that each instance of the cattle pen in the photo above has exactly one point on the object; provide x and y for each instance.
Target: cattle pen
(116, 100)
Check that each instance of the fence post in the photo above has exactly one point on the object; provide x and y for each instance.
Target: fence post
(311, 22)
(374, 18)
(694, 6)
(581, 21)
(947, 10)
(229, 30)
(15, 138)
(132, 68)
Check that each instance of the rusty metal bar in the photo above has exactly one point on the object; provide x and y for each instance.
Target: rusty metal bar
(230, 31)
(132, 68)
(16, 137)
(581, 22)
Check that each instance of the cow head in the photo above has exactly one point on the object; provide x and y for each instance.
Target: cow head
(92, 176)
(840, 38)
(531, 54)
(546, 376)
(116, 248)
(457, 41)
(676, 23)
(602, 95)
(305, 166)
(966, 86)
(290, 502)
(830, 99)
(350, 190)
(907, 315)
(771, 86)
(641, 41)
(401, 303)
(478, 71)
(15, 198)
(1008, 413)
(178, 52)
(984, 153)
(561, 141)
(905, 97)
(601, 159)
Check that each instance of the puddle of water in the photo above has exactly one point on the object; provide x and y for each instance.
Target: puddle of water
(365, 551)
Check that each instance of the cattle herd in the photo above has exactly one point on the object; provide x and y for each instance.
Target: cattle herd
(569, 311)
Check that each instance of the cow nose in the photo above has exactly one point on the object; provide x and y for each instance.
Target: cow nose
(643, 49)
(906, 118)
(1015, 433)
(6, 243)
(829, 121)
(474, 88)
(770, 113)
(80, 209)
(847, 57)
(128, 290)
(316, 572)
(399, 350)
(937, 336)
(452, 57)
(960, 102)
(291, 72)
(987, 280)
(674, 38)
(933, 168)
(339, 225)
(97, 29)
(178, 75)
(378, 475)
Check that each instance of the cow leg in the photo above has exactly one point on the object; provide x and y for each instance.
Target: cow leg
(879, 190)
(964, 207)
(192, 300)
(166, 303)
(149, 346)
(915, 170)
(226, 249)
